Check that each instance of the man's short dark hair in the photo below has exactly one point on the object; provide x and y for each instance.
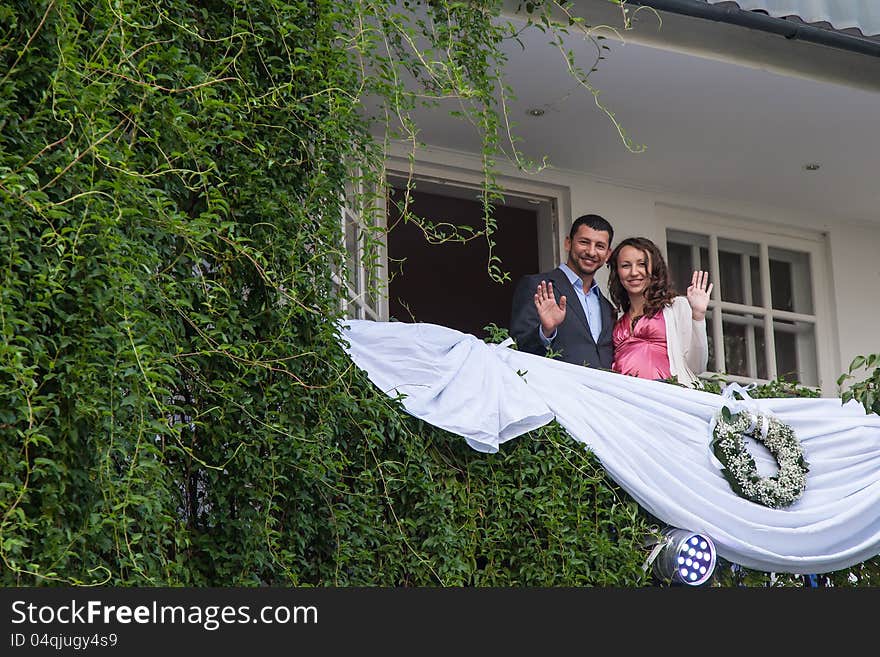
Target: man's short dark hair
(593, 221)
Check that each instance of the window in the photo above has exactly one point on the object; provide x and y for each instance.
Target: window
(362, 230)
(762, 321)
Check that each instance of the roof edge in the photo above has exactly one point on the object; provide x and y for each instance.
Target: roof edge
(765, 23)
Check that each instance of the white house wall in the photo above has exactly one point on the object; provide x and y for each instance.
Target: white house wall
(855, 255)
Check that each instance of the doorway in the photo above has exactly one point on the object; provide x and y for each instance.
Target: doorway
(448, 283)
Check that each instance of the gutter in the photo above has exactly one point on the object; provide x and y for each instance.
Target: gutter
(764, 23)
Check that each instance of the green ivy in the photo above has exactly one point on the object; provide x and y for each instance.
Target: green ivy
(866, 391)
(175, 406)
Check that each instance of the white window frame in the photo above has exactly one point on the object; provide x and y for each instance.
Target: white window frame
(767, 236)
(356, 302)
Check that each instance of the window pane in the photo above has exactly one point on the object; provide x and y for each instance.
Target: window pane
(680, 263)
(372, 241)
(796, 352)
(755, 275)
(791, 280)
(761, 352)
(744, 345)
(738, 277)
(711, 339)
(351, 250)
(686, 252)
(731, 277)
(370, 267)
(781, 285)
(735, 349)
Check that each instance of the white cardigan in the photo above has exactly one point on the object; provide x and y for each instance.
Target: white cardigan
(686, 342)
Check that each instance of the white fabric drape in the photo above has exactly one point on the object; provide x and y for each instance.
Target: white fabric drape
(651, 437)
(841, 14)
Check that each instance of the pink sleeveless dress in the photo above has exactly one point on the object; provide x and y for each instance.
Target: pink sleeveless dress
(641, 352)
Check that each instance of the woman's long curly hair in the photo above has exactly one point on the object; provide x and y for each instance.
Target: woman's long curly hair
(659, 292)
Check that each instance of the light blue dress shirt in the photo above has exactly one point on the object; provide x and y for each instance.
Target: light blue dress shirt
(589, 302)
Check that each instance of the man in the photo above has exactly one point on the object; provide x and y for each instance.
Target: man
(563, 310)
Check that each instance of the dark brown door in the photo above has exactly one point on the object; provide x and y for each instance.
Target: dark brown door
(448, 283)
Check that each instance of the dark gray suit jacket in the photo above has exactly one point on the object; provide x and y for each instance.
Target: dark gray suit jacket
(573, 338)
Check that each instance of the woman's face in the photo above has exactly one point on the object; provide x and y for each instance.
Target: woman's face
(633, 270)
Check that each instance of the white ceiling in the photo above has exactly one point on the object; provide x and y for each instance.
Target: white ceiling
(710, 128)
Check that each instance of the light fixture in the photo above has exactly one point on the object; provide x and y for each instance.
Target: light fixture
(683, 557)
(812, 166)
(535, 111)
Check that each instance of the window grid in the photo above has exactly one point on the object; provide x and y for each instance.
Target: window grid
(760, 322)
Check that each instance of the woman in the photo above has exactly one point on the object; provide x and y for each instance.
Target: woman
(659, 334)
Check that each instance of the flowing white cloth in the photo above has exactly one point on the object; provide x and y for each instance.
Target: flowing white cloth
(651, 437)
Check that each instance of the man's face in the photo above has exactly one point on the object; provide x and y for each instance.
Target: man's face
(588, 250)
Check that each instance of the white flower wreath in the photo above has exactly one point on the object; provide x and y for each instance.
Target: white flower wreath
(738, 466)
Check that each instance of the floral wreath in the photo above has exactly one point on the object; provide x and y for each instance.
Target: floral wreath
(738, 466)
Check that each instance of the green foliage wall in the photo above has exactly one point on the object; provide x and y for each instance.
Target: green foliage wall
(174, 405)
